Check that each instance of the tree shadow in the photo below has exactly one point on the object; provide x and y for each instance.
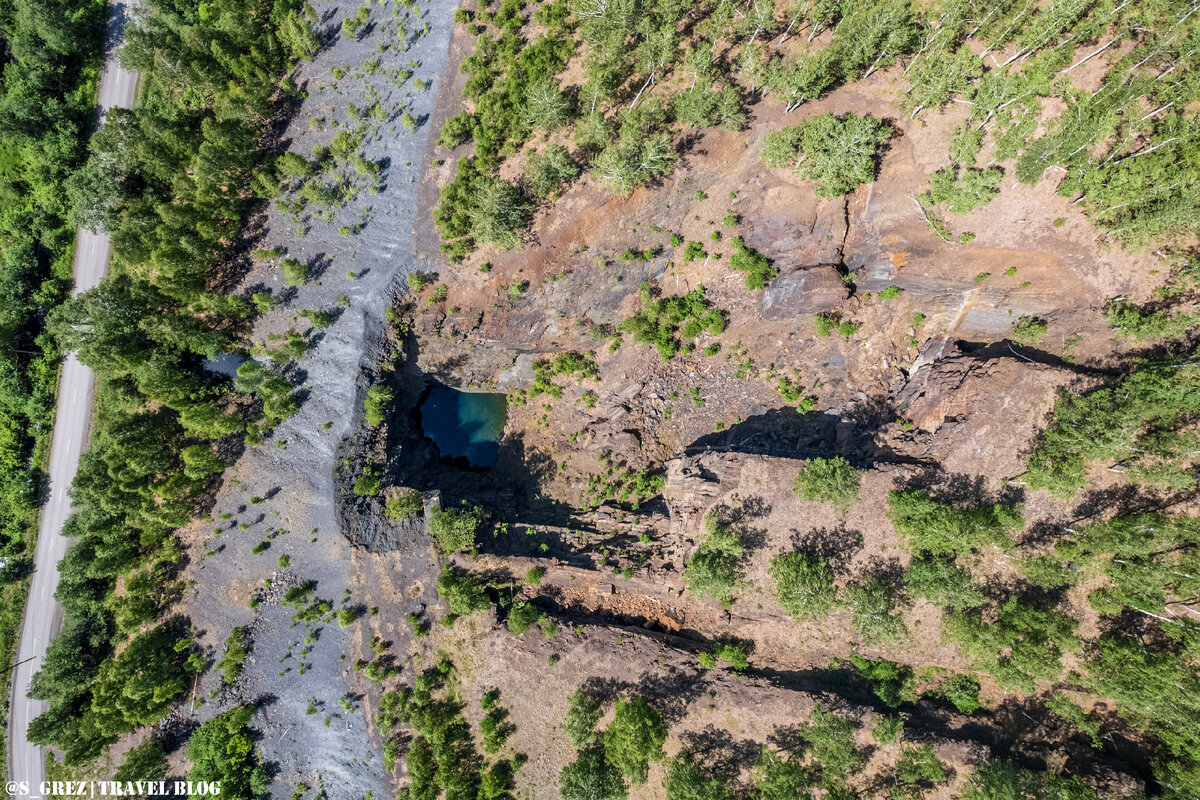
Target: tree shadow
(838, 546)
(958, 489)
(720, 752)
(671, 693)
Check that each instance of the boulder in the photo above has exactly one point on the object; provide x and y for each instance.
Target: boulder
(803, 292)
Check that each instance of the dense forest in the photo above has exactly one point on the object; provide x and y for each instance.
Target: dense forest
(1128, 152)
(50, 59)
(170, 182)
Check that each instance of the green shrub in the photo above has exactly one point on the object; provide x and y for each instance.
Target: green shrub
(591, 776)
(716, 568)
(635, 738)
(756, 266)
(454, 528)
(1020, 646)
(893, 683)
(943, 583)
(776, 779)
(1137, 324)
(548, 170)
(803, 585)
(964, 190)
(925, 524)
(659, 322)
(1029, 331)
(732, 654)
(294, 272)
(404, 505)
(838, 153)
(378, 397)
(1001, 780)
(234, 656)
(832, 481)
(348, 616)
(463, 592)
(521, 617)
(887, 729)
(831, 742)
(368, 484)
(875, 610)
(917, 770)
(583, 714)
(417, 281)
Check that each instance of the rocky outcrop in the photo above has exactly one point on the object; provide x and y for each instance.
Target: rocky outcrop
(804, 292)
(973, 414)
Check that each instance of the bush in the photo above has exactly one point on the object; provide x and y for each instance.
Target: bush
(943, 583)
(688, 780)
(294, 272)
(1022, 644)
(583, 713)
(803, 585)
(497, 214)
(837, 152)
(831, 742)
(1029, 331)
(659, 322)
(1137, 324)
(404, 505)
(635, 738)
(964, 190)
(234, 656)
(716, 568)
(454, 528)
(732, 654)
(368, 484)
(462, 592)
(378, 397)
(776, 779)
(591, 776)
(894, 684)
(521, 617)
(832, 481)
(887, 729)
(874, 607)
(1002, 780)
(927, 525)
(917, 770)
(146, 762)
(756, 266)
(417, 281)
(548, 170)
(348, 616)
(223, 750)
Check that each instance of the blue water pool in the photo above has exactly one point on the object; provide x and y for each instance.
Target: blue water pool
(464, 424)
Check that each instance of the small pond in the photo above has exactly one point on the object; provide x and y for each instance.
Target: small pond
(225, 364)
(465, 425)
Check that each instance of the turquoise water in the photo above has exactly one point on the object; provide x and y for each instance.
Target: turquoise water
(465, 424)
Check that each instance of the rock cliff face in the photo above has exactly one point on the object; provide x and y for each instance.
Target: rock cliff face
(974, 413)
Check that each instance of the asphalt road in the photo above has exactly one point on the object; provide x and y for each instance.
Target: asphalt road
(43, 614)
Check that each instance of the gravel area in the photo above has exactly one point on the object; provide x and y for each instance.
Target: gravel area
(306, 731)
